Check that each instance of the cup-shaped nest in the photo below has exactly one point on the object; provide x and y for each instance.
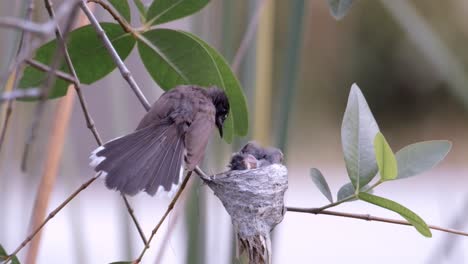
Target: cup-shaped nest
(255, 201)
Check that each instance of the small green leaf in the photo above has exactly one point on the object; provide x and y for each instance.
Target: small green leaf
(348, 190)
(358, 131)
(176, 57)
(385, 159)
(90, 58)
(339, 8)
(4, 255)
(141, 9)
(162, 11)
(406, 213)
(422, 156)
(122, 7)
(321, 183)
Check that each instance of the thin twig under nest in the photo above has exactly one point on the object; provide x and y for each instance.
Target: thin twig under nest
(254, 198)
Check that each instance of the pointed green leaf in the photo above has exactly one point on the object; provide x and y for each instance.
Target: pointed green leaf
(339, 8)
(141, 9)
(321, 183)
(162, 11)
(122, 7)
(177, 57)
(406, 213)
(4, 255)
(420, 157)
(90, 58)
(385, 159)
(357, 136)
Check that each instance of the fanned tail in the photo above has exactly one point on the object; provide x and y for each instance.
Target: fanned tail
(149, 159)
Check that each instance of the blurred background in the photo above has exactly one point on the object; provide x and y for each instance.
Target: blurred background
(408, 57)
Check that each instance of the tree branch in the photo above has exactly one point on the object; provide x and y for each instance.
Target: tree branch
(115, 56)
(89, 121)
(32, 93)
(50, 216)
(368, 217)
(25, 25)
(125, 26)
(24, 48)
(134, 219)
(45, 68)
(168, 210)
(48, 85)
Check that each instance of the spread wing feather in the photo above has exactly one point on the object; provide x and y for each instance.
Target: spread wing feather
(144, 160)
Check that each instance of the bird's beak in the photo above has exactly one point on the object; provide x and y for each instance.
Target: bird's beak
(219, 124)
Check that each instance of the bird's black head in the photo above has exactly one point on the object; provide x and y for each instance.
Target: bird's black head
(221, 103)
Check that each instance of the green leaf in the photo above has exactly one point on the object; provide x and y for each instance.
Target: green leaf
(406, 213)
(90, 58)
(339, 8)
(177, 57)
(348, 190)
(345, 191)
(4, 255)
(122, 7)
(321, 183)
(422, 156)
(358, 131)
(386, 161)
(162, 11)
(141, 9)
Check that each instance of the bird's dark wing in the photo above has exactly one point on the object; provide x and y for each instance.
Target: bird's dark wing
(197, 135)
(144, 160)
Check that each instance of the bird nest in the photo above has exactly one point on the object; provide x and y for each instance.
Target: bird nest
(254, 198)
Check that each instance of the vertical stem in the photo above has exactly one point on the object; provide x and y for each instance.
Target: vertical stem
(54, 150)
(49, 175)
(291, 65)
(264, 69)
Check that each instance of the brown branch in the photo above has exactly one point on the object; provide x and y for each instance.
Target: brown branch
(50, 216)
(168, 210)
(77, 83)
(134, 219)
(368, 217)
(84, 108)
(45, 68)
(115, 56)
(125, 26)
(24, 48)
(48, 86)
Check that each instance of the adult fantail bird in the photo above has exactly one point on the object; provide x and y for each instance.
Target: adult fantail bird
(174, 131)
